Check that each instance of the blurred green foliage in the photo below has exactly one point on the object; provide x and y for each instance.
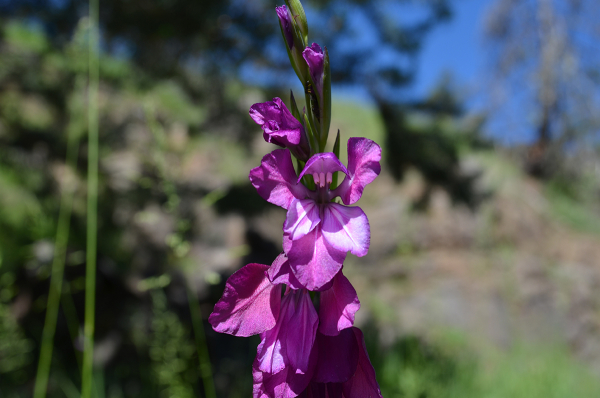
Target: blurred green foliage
(16, 350)
(534, 371)
(42, 99)
(416, 368)
(571, 211)
(412, 368)
(171, 351)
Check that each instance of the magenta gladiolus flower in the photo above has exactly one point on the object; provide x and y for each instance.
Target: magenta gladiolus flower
(281, 127)
(286, 25)
(318, 233)
(252, 304)
(292, 353)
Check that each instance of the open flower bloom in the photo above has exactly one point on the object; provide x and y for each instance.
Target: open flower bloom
(318, 233)
(287, 358)
(281, 127)
(252, 304)
(338, 303)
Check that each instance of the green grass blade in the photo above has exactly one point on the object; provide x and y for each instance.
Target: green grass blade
(58, 267)
(68, 306)
(92, 206)
(201, 346)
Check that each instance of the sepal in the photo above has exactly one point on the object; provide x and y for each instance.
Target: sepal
(299, 18)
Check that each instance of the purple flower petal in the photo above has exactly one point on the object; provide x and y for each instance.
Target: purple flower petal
(363, 167)
(314, 261)
(250, 303)
(301, 330)
(270, 352)
(284, 384)
(280, 273)
(286, 25)
(338, 357)
(279, 125)
(363, 383)
(314, 57)
(338, 306)
(346, 228)
(275, 179)
(290, 342)
(302, 217)
(322, 163)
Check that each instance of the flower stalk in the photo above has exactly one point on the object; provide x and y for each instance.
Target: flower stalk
(92, 205)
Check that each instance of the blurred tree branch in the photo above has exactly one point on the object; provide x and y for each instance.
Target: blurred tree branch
(546, 61)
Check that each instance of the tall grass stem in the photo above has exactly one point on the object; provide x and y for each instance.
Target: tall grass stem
(58, 268)
(92, 204)
(201, 346)
(70, 312)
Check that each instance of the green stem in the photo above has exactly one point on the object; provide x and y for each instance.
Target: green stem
(316, 138)
(92, 206)
(70, 312)
(58, 268)
(201, 346)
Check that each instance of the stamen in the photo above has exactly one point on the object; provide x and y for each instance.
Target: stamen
(316, 178)
(329, 178)
(322, 179)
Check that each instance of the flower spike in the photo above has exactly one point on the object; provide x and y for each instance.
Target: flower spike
(305, 352)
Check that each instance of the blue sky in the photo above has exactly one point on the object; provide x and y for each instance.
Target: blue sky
(456, 47)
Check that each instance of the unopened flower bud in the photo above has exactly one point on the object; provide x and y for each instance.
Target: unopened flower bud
(315, 59)
(320, 76)
(299, 17)
(286, 25)
(294, 40)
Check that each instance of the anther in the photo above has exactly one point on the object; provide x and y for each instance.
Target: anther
(329, 178)
(316, 178)
(322, 179)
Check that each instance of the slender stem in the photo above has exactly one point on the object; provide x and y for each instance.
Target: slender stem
(317, 137)
(70, 312)
(58, 267)
(69, 388)
(322, 139)
(92, 206)
(201, 346)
